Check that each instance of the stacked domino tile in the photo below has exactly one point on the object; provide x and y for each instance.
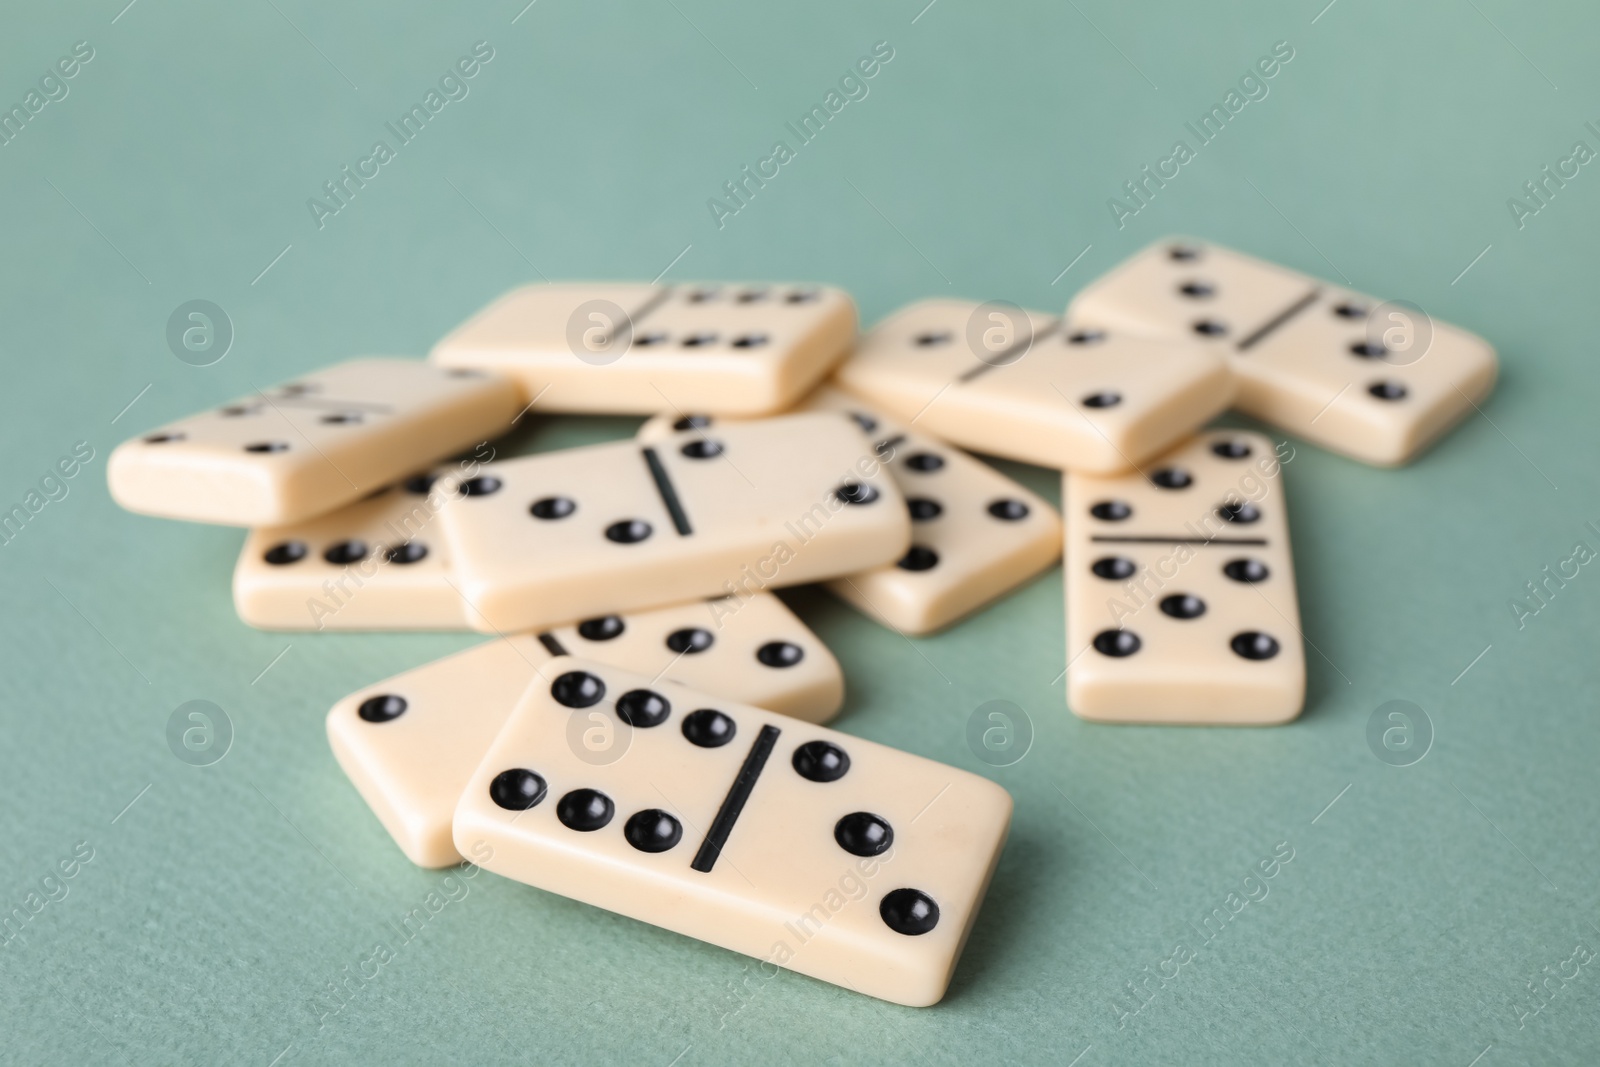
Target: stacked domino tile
(628, 584)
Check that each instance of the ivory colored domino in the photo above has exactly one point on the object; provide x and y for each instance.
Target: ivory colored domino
(411, 742)
(622, 526)
(377, 564)
(976, 534)
(752, 649)
(311, 445)
(1180, 589)
(633, 348)
(1021, 384)
(807, 848)
(1378, 382)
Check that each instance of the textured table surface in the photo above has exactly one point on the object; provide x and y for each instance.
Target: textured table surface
(1422, 903)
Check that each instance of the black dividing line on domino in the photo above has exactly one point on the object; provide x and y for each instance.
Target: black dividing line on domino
(733, 803)
(638, 313)
(1202, 541)
(1279, 319)
(889, 444)
(669, 495)
(1017, 350)
(551, 645)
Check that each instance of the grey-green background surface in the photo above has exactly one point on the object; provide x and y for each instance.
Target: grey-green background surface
(218, 906)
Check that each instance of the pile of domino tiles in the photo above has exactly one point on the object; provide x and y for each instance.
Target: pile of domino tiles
(643, 729)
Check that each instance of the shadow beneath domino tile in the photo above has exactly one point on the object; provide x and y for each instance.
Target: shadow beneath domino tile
(1326, 678)
(535, 433)
(831, 619)
(1007, 921)
(1046, 481)
(1323, 687)
(808, 601)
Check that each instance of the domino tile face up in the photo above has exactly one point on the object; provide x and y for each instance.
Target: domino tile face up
(1073, 396)
(409, 743)
(750, 649)
(377, 564)
(810, 849)
(315, 444)
(627, 348)
(1180, 590)
(976, 534)
(1376, 381)
(622, 527)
